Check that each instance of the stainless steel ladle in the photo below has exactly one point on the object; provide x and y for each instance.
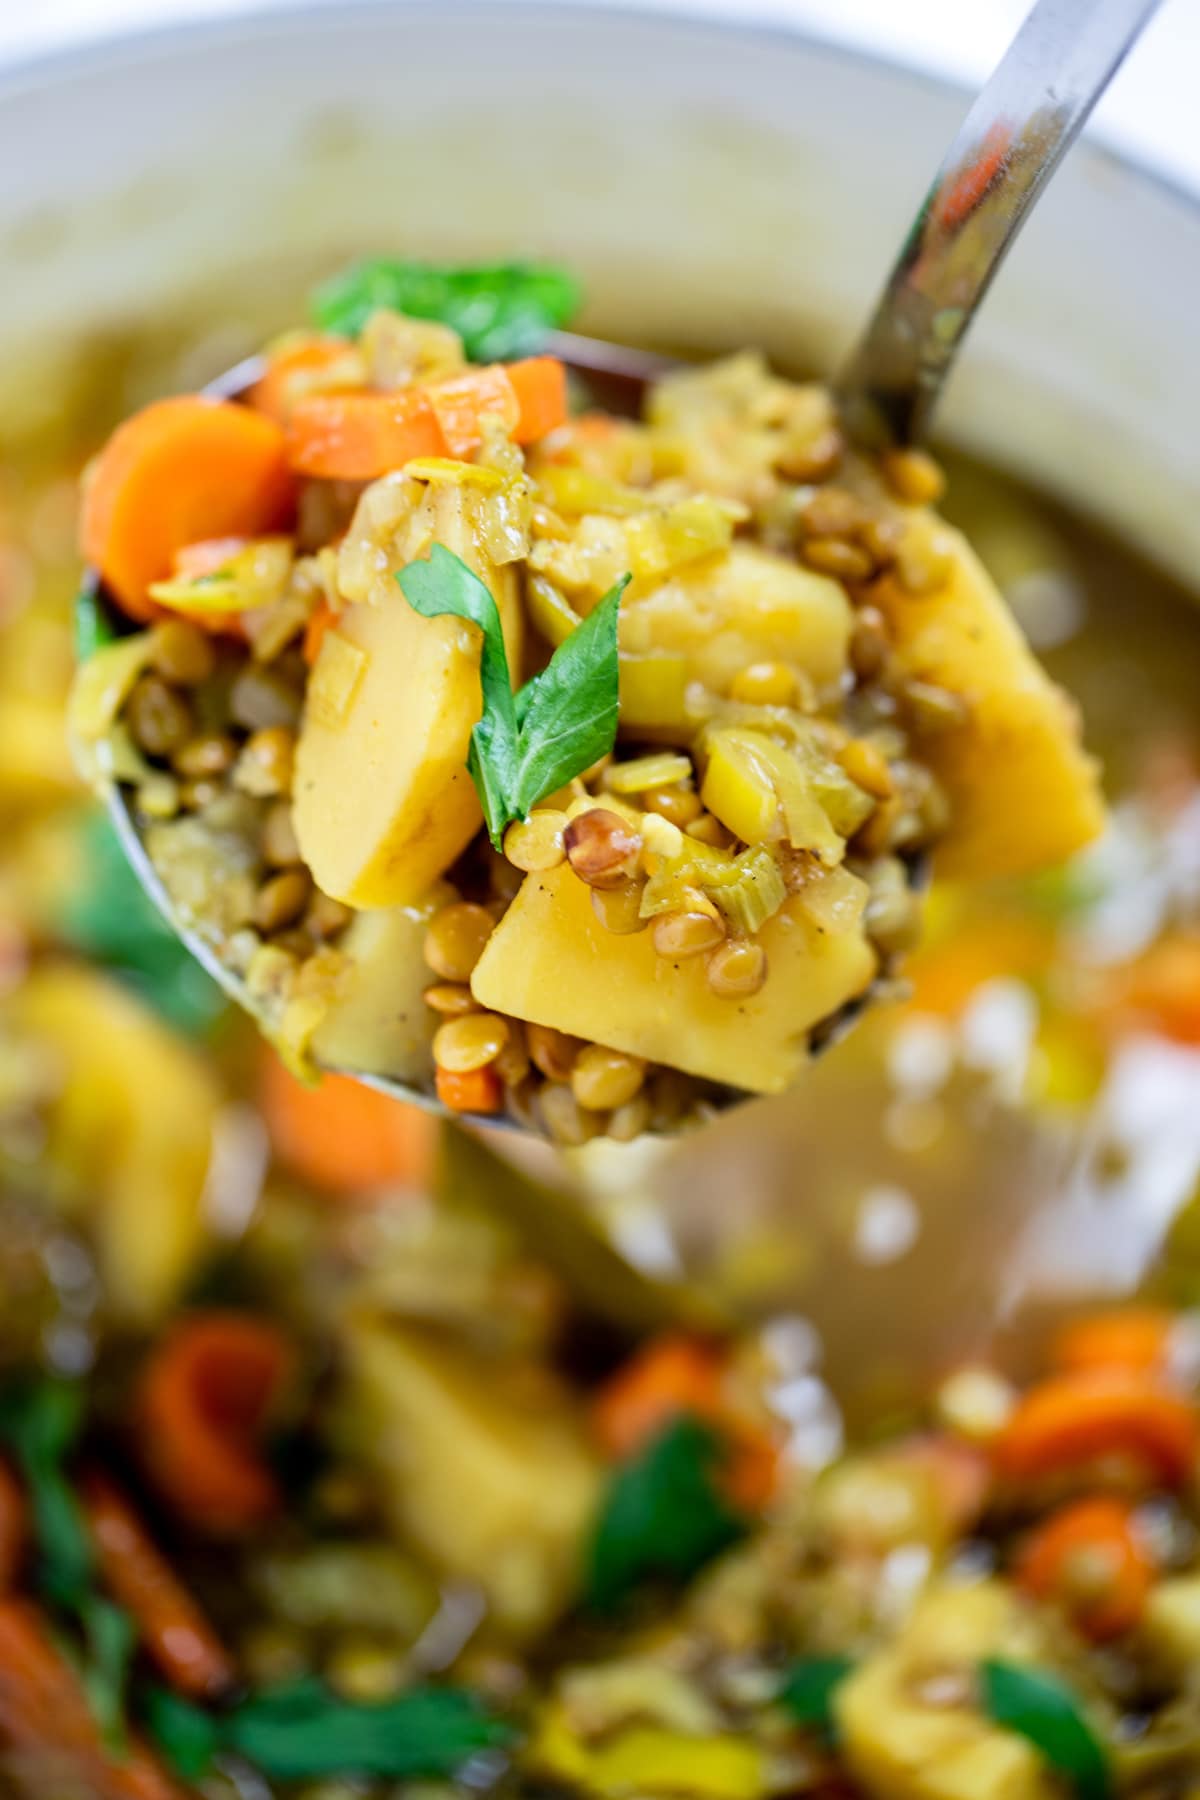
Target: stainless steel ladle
(1012, 140)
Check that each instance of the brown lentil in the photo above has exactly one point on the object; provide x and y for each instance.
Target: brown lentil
(564, 1119)
(881, 539)
(764, 684)
(682, 934)
(363, 1670)
(603, 1078)
(679, 805)
(601, 848)
(832, 512)
(261, 699)
(619, 909)
(708, 829)
(204, 756)
(553, 1052)
(883, 831)
(326, 916)
(181, 653)
(870, 644)
(194, 796)
(629, 1121)
(279, 844)
(537, 844)
(159, 718)
(931, 709)
(281, 900)
(814, 460)
(512, 1065)
(471, 1042)
(297, 942)
(913, 476)
(264, 768)
(737, 969)
(838, 557)
(455, 939)
(867, 767)
(450, 999)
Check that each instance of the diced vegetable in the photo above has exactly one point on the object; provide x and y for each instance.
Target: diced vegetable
(341, 1135)
(1090, 1559)
(499, 310)
(237, 577)
(647, 1759)
(302, 364)
(1135, 1338)
(1171, 1624)
(179, 471)
(470, 1090)
(207, 1395)
(1069, 1421)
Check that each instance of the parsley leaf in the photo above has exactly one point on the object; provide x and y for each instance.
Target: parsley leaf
(808, 1690)
(111, 1640)
(1044, 1710)
(93, 624)
(501, 310)
(303, 1732)
(40, 1423)
(528, 744)
(664, 1515)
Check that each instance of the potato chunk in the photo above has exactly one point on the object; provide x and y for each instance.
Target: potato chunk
(378, 1021)
(550, 960)
(496, 1489)
(1024, 793)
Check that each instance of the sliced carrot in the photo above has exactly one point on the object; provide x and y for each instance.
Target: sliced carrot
(1090, 1559)
(1134, 1338)
(358, 437)
(677, 1375)
(1071, 1421)
(319, 623)
(45, 1720)
(344, 1136)
(14, 1527)
(945, 975)
(176, 473)
(208, 556)
(462, 402)
(540, 384)
(475, 1091)
(295, 367)
(206, 1396)
(171, 1627)
(1162, 990)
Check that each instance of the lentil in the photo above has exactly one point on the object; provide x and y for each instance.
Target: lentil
(537, 844)
(619, 909)
(679, 805)
(682, 934)
(764, 684)
(603, 1078)
(194, 796)
(159, 719)
(913, 476)
(265, 765)
(838, 557)
(455, 939)
(708, 829)
(737, 969)
(281, 900)
(471, 1042)
(365, 1670)
(870, 644)
(564, 1119)
(450, 999)
(553, 1052)
(815, 460)
(831, 512)
(893, 912)
(181, 653)
(931, 709)
(923, 566)
(326, 917)
(158, 797)
(279, 845)
(867, 767)
(205, 756)
(512, 1065)
(601, 848)
(261, 698)
(630, 1120)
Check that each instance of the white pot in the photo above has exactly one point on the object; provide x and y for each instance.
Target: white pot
(714, 183)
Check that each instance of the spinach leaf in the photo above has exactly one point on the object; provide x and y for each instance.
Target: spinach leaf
(111, 1637)
(108, 918)
(808, 1690)
(501, 310)
(304, 1732)
(93, 627)
(526, 745)
(40, 1423)
(1043, 1709)
(664, 1515)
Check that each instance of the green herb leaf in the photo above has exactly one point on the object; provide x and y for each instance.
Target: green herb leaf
(304, 1732)
(93, 626)
(664, 1515)
(107, 916)
(1044, 1710)
(111, 1640)
(40, 1423)
(526, 745)
(188, 1737)
(808, 1691)
(500, 311)
(568, 713)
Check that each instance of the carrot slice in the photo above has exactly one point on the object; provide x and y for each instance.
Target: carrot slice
(1134, 1338)
(295, 367)
(205, 1398)
(462, 402)
(177, 472)
(1090, 1559)
(540, 384)
(319, 623)
(674, 1375)
(172, 1628)
(46, 1720)
(1072, 1420)
(1162, 990)
(358, 437)
(344, 1136)
(473, 1091)
(14, 1527)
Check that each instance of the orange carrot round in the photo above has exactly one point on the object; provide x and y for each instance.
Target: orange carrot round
(540, 384)
(358, 437)
(1073, 1420)
(171, 1626)
(1135, 1338)
(1162, 989)
(14, 1527)
(206, 1396)
(177, 472)
(470, 1091)
(293, 367)
(674, 1375)
(1090, 1559)
(343, 1136)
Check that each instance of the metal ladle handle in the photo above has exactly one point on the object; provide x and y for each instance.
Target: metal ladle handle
(1008, 147)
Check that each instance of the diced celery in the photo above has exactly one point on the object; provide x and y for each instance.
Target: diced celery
(658, 771)
(549, 613)
(757, 892)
